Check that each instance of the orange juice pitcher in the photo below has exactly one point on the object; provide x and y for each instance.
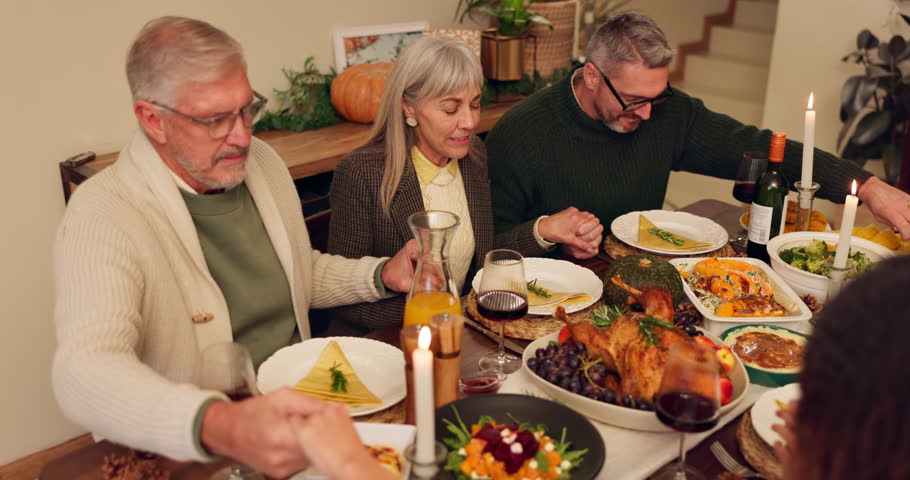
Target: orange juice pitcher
(433, 289)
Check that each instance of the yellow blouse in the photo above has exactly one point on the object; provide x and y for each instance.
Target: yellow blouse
(442, 188)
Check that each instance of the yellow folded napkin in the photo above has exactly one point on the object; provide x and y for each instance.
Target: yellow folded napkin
(538, 295)
(649, 235)
(318, 383)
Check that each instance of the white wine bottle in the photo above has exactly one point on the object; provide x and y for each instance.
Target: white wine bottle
(768, 212)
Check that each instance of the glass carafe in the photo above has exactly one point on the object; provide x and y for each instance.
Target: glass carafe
(433, 288)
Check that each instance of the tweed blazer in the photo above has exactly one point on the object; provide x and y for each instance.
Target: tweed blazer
(359, 227)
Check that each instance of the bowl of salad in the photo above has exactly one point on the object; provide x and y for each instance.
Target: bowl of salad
(803, 259)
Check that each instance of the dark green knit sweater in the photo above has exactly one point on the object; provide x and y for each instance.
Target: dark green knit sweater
(547, 154)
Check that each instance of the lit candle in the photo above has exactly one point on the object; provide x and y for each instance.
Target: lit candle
(846, 229)
(422, 359)
(808, 145)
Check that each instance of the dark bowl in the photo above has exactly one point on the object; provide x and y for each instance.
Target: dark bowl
(579, 431)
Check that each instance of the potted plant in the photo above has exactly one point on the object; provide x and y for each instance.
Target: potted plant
(875, 106)
(501, 47)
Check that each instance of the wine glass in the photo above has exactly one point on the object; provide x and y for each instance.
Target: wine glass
(750, 169)
(227, 367)
(502, 297)
(688, 400)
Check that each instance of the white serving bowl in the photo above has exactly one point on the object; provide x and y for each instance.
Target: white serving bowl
(796, 318)
(617, 415)
(803, 282)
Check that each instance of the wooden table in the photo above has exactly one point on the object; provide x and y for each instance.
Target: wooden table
(84, 463)
(306, 153)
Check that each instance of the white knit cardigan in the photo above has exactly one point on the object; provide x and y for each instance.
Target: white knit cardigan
(130, 277)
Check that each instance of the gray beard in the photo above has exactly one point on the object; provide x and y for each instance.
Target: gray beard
(196, 174)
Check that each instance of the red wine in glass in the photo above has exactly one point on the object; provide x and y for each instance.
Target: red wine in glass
(744, 191)
(686, 411)
(502, 305)
(480, 385)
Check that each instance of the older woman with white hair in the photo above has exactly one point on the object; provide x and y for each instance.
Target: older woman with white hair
(422, 155)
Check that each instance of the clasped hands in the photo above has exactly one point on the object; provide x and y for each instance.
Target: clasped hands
(580, 233)
(284, 432)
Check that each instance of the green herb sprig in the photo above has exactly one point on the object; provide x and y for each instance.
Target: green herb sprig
(538, 290)
(339, 380)
(666, 236)
(646, 328)
(604, 316)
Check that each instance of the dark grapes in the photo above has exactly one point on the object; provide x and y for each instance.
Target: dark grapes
(540, 354)
(533, 363)
(636, 308)
(691, 330)
(643, 404)
(627, 401)
(608, 395)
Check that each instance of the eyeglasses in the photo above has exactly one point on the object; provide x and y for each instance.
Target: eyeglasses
(220, 126)
(628, 107)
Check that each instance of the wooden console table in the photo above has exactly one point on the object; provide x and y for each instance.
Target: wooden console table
(306, 153)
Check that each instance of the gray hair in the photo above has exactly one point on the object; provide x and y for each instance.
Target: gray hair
(429, 67)
(628, 38)
(172, 51)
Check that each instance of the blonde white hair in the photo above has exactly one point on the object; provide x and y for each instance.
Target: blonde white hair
(429, 67)
(172, 51)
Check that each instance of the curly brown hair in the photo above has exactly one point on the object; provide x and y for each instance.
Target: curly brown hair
(854, 418)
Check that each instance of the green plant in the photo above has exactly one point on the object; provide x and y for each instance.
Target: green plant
(515, 16)
(875, 105)
(305, 105)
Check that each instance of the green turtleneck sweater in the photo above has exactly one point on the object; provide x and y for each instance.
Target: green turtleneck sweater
(546, 154)
(243, 262)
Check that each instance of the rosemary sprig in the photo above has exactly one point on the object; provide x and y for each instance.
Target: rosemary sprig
(646, 328)
(538, 290)
(666, 236)
(339, 381)
(604, 316)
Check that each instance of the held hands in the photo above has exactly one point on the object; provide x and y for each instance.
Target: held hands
(256, 431)
(889, 205)
(333, 445)
(579, 232)
(397, 273)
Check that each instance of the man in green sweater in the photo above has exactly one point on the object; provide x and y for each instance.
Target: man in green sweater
(606, 139)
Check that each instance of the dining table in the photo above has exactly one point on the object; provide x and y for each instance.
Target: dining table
(86, 462)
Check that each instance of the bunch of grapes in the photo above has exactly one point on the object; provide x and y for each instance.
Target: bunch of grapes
(569, 367)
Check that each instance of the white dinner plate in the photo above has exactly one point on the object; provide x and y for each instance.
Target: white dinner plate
(379, 366)
(558, 276)
(764, 412)
(697, 228)
(388, 434)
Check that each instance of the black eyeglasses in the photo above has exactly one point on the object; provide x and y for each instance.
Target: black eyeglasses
(221, 125)
(628, 107)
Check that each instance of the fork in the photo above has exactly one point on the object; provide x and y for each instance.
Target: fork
(730, 463)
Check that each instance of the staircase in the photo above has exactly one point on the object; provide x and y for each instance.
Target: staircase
(731, 78)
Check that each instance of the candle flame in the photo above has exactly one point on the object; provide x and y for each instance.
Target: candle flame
(853, 188)
(424, 338)
(811, 101)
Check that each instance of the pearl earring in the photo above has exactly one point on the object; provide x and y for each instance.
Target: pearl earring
(411, 121)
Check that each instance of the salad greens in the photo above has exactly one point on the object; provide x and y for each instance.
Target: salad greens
(462, 436)
(817, 257)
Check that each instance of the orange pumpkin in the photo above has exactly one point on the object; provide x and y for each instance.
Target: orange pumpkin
(357, 91)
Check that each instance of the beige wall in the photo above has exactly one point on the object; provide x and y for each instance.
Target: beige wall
(680, 20)
(811, 38)
(63, 92)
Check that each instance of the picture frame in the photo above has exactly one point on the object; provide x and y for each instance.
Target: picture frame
(375, 43)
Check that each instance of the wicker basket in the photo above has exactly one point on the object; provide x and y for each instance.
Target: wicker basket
(553, 48)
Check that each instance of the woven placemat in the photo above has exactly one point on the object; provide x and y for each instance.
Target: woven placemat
(617, 249)
(756, 451)
(393, 414)
(529, 327)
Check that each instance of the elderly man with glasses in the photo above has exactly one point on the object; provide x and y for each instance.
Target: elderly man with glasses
(195, 237)
(605, 139)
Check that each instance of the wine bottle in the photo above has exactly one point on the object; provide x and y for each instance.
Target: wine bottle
(767, 215)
